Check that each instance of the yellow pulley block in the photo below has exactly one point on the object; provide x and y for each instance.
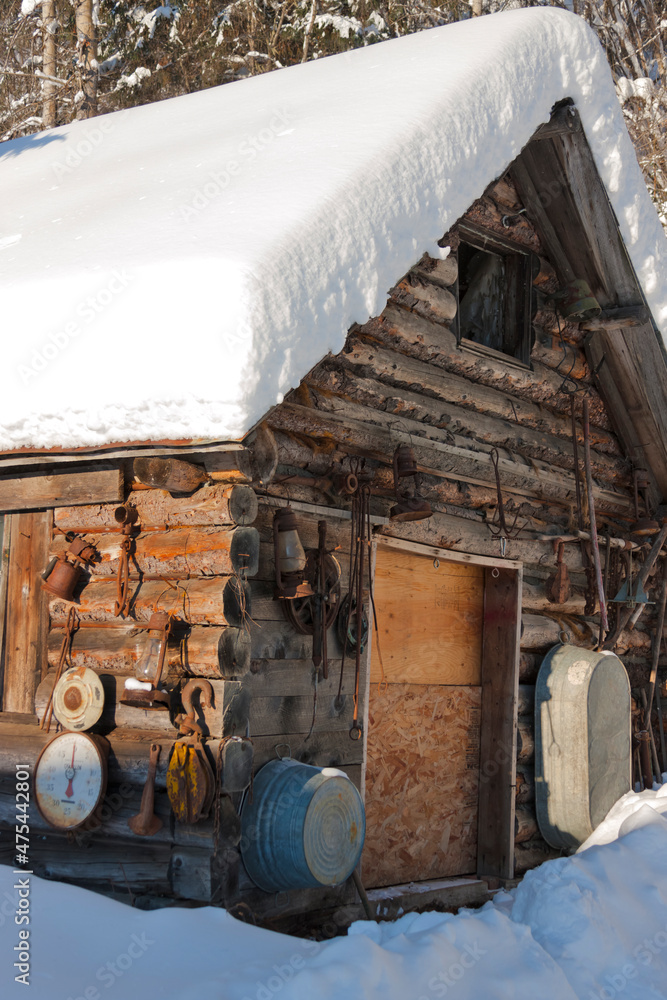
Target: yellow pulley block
(190, 783)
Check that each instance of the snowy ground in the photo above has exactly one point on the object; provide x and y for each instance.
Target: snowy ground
(592, 926)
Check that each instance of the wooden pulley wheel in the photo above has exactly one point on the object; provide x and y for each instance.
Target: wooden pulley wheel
(190, 783)
(78, 699)
(300, 612)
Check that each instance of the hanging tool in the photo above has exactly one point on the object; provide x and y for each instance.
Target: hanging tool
(500, 529)
(354, 601)
(316, 613)
(631, 592)
(190, 777)
(604, 624)
(146, 823)
(65, 647)
(558, 586)
(126, 516)
(586, 560)
(642, 576)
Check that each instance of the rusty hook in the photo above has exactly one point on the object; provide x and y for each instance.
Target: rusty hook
(187, 724)
(501, 529)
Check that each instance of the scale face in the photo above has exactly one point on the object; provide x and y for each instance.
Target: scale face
(70, 779)
(78, 699)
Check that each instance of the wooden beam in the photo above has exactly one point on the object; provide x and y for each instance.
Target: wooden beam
(27, 618)
(498, 737)
(33, 490)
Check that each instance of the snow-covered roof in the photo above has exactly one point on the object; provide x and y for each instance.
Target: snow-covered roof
(170, 271)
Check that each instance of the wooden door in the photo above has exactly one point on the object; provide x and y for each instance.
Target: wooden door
(422, 771)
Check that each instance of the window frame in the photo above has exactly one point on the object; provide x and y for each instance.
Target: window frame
(519, 299)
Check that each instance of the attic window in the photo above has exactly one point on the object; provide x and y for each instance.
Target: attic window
(494, 295)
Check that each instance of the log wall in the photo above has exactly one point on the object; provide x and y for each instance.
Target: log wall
(402, 378)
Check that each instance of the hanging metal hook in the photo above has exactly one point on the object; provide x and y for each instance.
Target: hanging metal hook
(501, 529)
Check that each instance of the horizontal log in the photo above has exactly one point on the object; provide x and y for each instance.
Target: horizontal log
(568, 360)
(323, 749)
(199, 602)
(526, 700)
(226, 716)
(459, 421)
(529, 664)
(466, 535)
(375, 435)
(32, 490)
(202, 651)
(541, 385)
(384, 361)
(525, 749)
(540, 632)
(440, 272)
(440, 302)
(532, 854)
(618, 319)
(180, 552)
(209, 506)
(525, 785)
(525, 824)
(535, 597)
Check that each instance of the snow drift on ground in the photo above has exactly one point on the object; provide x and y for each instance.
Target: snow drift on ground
(589, 926)
(170, 271)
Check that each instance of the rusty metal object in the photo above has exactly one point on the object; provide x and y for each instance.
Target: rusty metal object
(146, 823)
(558, 586)
(63, 573)
(604, 624)
(407, 508)
(70, 629)
(314, 615)
(576, 301)
(190, 777)
(644, 738)
(126, 516)
(501, 529)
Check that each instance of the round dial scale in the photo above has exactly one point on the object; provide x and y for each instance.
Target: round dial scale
(71, 779)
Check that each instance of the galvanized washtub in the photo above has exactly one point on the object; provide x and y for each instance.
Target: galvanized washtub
(302, 827)
(582, 742)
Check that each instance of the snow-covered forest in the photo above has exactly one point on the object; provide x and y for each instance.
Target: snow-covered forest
(67, 59)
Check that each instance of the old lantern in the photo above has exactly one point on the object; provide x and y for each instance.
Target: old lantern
(290, 558)
(407, 508)
(143, 690)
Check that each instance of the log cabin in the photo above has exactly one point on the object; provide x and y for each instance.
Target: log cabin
(455, 380)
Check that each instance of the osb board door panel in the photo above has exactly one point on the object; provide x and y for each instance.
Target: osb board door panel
(422, 766)
(429, 618)
(422, 780)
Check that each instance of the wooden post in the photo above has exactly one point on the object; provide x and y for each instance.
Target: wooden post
(27, 620)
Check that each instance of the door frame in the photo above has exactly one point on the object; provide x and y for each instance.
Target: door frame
(501, 635)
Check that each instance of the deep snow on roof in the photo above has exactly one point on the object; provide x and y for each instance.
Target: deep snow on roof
(169, 272)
